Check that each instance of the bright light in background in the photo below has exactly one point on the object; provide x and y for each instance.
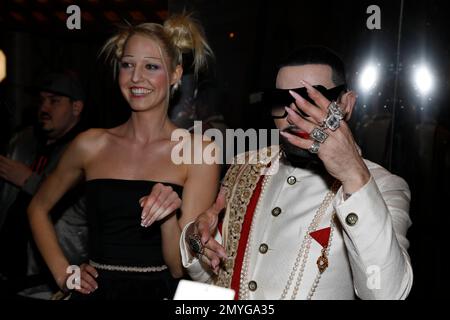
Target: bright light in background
(423, 80)
(2, 66)
(369, 77)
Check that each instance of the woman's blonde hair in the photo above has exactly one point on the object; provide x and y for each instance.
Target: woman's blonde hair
(180, 34)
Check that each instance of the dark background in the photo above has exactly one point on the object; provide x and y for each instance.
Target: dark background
(393, 124)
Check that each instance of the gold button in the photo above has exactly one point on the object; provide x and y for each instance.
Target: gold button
(351, 219)
(291, 180)
(263, 248)
(276, 211)
(252, 285)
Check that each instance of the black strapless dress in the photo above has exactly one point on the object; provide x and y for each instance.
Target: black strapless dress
(117, 238)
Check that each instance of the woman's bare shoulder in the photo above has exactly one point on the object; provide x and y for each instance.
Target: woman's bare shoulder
(91, 135)
(90, 140)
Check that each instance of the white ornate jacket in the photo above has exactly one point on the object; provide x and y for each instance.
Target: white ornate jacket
(366, 251)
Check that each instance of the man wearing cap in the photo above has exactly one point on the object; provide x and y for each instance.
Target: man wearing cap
(33, 153)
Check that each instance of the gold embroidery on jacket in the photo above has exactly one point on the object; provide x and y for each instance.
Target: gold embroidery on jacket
(240, 182)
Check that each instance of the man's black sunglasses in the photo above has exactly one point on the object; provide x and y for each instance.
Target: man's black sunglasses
(277, 99)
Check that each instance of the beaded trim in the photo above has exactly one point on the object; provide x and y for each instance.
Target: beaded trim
(110, 267)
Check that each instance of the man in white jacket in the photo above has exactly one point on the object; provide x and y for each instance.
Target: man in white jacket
(314, 221)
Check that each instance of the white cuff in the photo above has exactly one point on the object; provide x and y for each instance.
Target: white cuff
(364, 211)
(186, 257)
(197, 270)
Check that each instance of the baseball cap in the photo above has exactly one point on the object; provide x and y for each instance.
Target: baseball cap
(62, 84)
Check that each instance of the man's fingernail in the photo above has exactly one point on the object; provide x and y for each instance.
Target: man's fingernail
(295, 95)
(290, 111)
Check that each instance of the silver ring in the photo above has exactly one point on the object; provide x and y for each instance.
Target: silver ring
(336, 110)
(315, 147)
(332, 121)
(195, 243)
(319, 135)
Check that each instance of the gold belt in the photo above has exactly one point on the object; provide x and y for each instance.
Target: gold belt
(110, 267)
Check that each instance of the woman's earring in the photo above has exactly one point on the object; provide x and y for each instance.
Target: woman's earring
(176, 86)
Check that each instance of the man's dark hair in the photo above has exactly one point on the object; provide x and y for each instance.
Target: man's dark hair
(317, 55)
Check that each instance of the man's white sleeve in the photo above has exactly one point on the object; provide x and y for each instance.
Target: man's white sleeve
(197, 270)
(375, 221)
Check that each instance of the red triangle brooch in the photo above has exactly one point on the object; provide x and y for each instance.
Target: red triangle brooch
(322, 236)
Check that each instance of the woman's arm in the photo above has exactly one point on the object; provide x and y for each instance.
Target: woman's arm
(68, 172)
(199, 192)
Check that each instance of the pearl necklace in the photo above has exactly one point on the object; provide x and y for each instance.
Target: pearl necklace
(303, 252)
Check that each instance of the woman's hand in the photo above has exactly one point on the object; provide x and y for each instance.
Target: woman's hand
(338, 152)
(84, 284)
(160, 203)
(88, 275)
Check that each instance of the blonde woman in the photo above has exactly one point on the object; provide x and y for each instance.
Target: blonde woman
(133, 239)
